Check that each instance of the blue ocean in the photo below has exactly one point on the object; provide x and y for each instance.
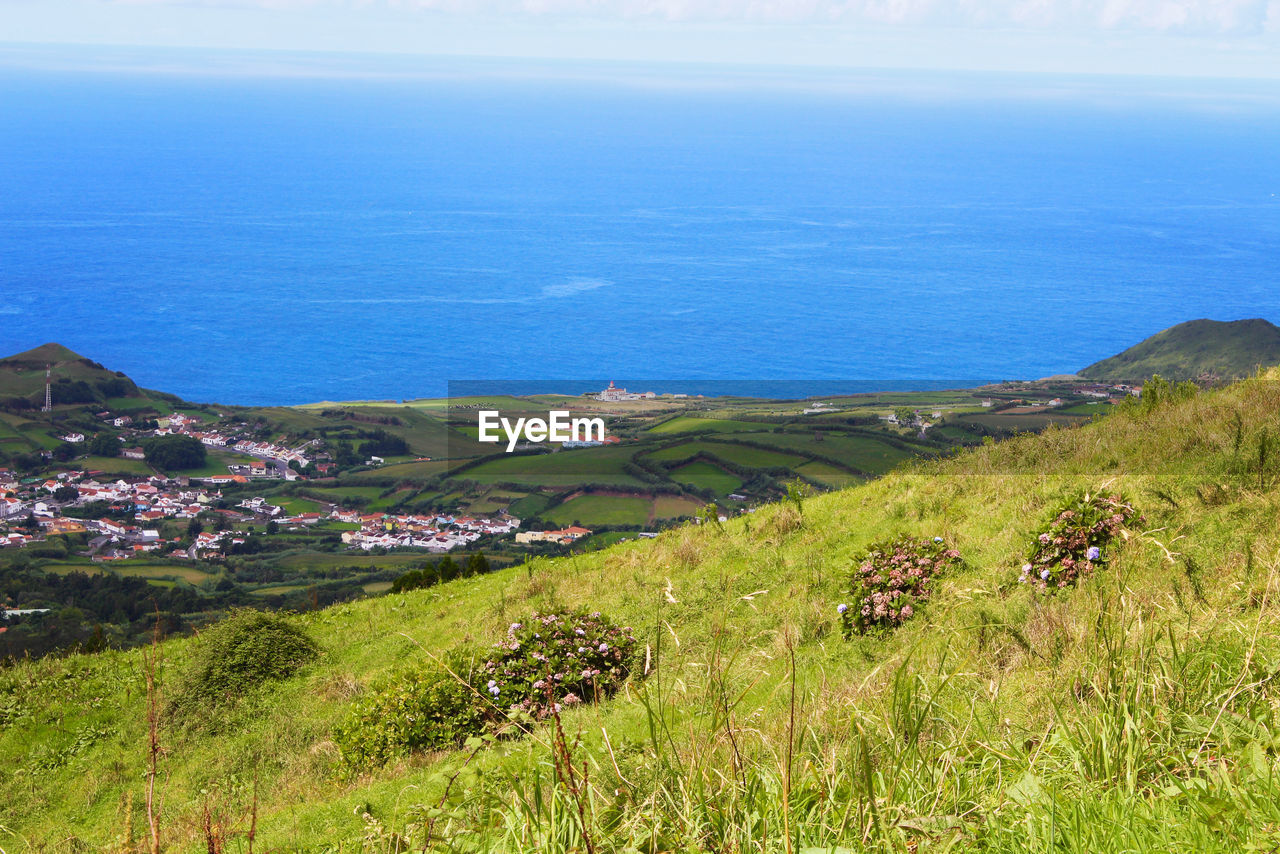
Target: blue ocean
(262, 237)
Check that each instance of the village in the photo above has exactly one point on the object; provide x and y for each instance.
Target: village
(52, 505)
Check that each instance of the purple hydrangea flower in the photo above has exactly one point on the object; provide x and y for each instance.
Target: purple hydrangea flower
(604, 647)
(841, 608)
(1094, 553)
(1044, 574)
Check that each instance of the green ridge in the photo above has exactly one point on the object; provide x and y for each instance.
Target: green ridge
(1197, 349)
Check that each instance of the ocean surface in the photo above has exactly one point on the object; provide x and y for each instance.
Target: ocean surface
(261, 237)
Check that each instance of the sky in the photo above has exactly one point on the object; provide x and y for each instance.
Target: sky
(1207, 38)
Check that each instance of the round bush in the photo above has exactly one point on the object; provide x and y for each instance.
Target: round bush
(1076, 540)
(424, 709)
(893, 581)
(552, 660)
(239, 654)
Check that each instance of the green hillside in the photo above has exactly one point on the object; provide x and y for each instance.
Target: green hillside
(1197, 349)
(75, 378)
(1137, 711)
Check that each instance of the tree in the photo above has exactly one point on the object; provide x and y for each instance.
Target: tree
(174, 452)
(64, 452)
(905, 415)
(477, 564)
(194, 529)
(66, 493)
(104, 445)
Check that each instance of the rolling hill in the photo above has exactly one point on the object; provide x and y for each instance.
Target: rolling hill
(75, 378)
(1195, 350)
(1136, 711)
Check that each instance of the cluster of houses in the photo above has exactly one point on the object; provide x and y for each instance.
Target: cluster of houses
(563, 536)
(614, 394)
(434, 532)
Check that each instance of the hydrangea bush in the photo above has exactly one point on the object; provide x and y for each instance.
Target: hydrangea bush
(1077, 540)
(554, 660)
(893, 581)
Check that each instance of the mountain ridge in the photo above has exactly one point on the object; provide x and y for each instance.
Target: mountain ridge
(1202, 349)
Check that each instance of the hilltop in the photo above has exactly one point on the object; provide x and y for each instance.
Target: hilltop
(1195, 350)
(75, 378)
(1134, 712)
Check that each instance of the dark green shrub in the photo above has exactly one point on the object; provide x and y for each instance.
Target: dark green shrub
(553, 659)
(893, 581)
(246, 650)
(425, 709)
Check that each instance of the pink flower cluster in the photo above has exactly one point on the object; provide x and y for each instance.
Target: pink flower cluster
(1076, 540)
(893, 580)
(555, 660)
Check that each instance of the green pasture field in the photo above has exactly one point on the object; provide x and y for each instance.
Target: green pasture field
(704, 475)
(277, 589)
(828, 475)
(413, 472)
(117, 465)
(337, 493)
(740, 454)
(694, 424)
(1020, 423)
(674, 506)
(530, 505)
(562, 468)
(294, 505)
(189, 574)
(861, 452)
(216, 462)
(589, 510)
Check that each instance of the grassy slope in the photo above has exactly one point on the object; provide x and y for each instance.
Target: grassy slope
(1195, 348)
(1136, 713)
(23, 374)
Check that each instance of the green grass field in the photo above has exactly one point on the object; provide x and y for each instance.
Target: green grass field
(592, 510)
(415, 472)
(674, 506)
(530, 505)
(703, 475)
(116, 465)
(740, 454)
(294, 505)
(1135, 713)
(693, 424)
(602, 465)
(189, 574)
(863, 453)
(828, 475)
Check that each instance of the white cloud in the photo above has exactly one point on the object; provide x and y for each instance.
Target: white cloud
(1186, 17)
(1211, 18)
